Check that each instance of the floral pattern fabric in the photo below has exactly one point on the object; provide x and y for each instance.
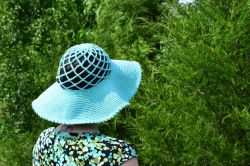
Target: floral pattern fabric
(58, 148)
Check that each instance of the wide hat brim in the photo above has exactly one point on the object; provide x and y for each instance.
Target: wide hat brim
(97, 104)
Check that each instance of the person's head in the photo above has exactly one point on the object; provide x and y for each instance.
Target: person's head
(90, 87)
(82, 70)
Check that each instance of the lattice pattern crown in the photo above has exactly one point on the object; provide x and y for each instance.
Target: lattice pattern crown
(83, 66)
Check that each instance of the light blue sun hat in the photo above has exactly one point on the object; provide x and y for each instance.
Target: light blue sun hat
(90, 87)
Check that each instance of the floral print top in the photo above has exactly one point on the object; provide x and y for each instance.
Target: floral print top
(58, 148)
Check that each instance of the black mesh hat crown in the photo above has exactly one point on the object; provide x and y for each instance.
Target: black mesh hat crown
(83, 66)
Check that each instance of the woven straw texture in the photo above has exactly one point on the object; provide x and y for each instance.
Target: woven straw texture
(98, 103)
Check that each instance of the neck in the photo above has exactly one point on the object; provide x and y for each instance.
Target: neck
(79, 128)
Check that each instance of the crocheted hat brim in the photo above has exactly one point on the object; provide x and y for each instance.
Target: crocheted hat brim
(94, 105)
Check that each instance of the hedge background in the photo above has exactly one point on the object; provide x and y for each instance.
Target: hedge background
(193, 106)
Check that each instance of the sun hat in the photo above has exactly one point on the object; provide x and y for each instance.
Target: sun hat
(90, 87)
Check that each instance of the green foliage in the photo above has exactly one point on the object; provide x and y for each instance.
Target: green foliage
(192, 107)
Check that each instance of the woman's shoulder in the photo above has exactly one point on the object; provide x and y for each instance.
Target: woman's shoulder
(45, 139)
(47, 133)
(52, 132)
(97, 146)
(118, 145)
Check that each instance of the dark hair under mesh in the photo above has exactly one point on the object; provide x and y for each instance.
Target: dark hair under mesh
(83, 68)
